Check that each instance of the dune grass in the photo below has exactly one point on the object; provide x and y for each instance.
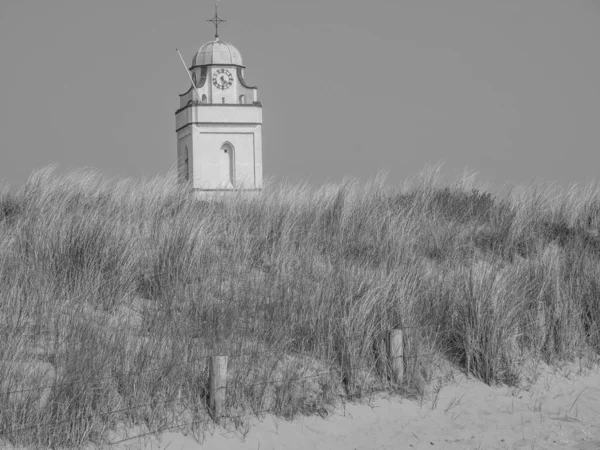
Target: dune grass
(112, 293)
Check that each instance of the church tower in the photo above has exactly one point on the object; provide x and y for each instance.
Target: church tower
(219, 122)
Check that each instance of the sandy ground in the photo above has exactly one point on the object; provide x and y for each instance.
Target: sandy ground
(554, 408)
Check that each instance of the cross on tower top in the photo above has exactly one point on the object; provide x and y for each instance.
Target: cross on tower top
(216, 20)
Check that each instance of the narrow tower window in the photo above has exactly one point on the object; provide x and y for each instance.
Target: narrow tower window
(227, 165)
(204, 98)
(186, 166)
(242, 99)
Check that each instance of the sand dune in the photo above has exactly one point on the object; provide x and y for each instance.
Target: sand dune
(553, 408)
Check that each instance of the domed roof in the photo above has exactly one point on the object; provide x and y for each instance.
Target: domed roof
(217, 52)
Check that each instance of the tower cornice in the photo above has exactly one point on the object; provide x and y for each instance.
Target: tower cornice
(220, 105)
(219, 124)
(238, 66)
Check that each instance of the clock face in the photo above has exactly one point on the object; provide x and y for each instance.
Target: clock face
(222, 79)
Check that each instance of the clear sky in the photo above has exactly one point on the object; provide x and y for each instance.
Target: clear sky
(506, 88)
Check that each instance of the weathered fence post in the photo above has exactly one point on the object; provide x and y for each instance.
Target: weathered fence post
(186, 351)
(217, 385)
(540, 322)
(396, 355)
(541, 316)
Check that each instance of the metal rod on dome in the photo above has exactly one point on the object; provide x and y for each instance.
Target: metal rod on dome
(189, 74)
(216, 20)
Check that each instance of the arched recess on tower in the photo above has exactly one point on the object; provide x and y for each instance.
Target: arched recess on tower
(184, 164)
(227, 165)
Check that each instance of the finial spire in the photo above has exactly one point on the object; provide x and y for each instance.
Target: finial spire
(216, 20)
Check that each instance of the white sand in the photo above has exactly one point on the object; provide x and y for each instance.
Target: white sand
(556, 408)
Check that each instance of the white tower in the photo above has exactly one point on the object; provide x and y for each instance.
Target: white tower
(219, 122)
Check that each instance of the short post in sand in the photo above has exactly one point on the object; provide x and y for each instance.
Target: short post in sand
(396, 354)
(217, 386)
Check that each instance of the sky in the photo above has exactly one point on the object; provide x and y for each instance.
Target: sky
(509, 89)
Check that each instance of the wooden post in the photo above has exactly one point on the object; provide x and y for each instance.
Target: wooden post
(217, 385)
(540, 321)
(541, 317)
(396, 355)
(186, 349)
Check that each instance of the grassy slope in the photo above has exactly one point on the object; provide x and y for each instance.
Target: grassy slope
(109, 288)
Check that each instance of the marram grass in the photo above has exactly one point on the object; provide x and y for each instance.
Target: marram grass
(113, 292)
